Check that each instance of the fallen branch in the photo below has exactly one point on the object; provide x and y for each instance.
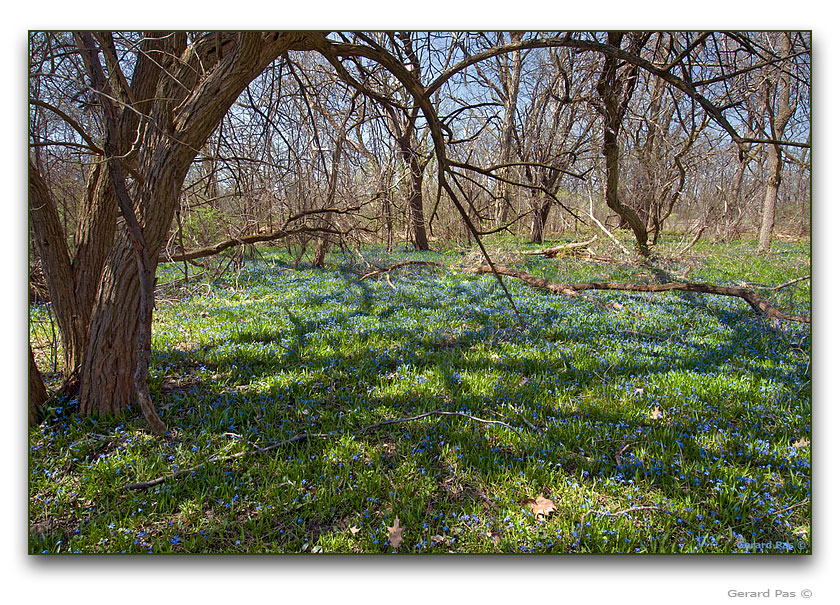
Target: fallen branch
(627, 511)
(401, 264)
(263, 236)
(183, 471)
(443, 413)
(552, 252)
(759, 305)
(301, 437)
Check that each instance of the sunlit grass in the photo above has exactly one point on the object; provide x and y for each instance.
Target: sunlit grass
(676, 423)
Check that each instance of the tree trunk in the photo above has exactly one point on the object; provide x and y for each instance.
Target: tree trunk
(768, 208)
(185, 109)
(627, 215)
(615, 87)
(775, 162)
(415, 205)
(510, 85)
(50, 241)
(37, 391)
(541, 208)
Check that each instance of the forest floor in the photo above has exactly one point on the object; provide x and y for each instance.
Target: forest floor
(410, 412)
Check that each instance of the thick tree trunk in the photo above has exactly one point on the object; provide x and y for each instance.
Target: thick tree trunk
(37, 391)
(107, 375)
(109, 371)
(541, 208)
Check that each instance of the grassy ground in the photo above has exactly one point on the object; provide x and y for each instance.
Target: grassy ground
(668, 423)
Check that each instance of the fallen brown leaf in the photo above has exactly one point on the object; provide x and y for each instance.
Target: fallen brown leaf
(395, 533)
(656, 414)
(354, 530)
(802, 443)
(541, 506)
(441, 540)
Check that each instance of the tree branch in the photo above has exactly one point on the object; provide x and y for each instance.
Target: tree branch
(759, 305)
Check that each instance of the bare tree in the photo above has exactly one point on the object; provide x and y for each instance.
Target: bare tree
(778, 118)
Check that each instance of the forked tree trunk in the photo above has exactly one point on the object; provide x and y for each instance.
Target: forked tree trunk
(541, 208)
(615, 87)
(184, 108)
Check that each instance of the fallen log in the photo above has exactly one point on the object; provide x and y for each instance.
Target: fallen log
(759, 305)
(552, 252)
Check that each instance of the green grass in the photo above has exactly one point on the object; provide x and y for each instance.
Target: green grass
(260, 357)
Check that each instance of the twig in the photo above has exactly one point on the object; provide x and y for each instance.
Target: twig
(626, 511)
(797, 505)
(790, 283)
(443, 413)
(301, 437)
(238, 436)
(692, 242)
(774, 288)
(273, 446)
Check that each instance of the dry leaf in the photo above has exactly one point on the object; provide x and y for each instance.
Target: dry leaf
(802, 443)
(541, 506)
(354, 530)
(441, 539)
(395, 533)
(656, 414)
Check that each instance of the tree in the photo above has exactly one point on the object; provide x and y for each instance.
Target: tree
(615, 87)
(778, 118)
(179, 88)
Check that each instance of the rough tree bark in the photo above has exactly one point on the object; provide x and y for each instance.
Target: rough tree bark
(408, 148)
(37, 391)
(182, 91)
